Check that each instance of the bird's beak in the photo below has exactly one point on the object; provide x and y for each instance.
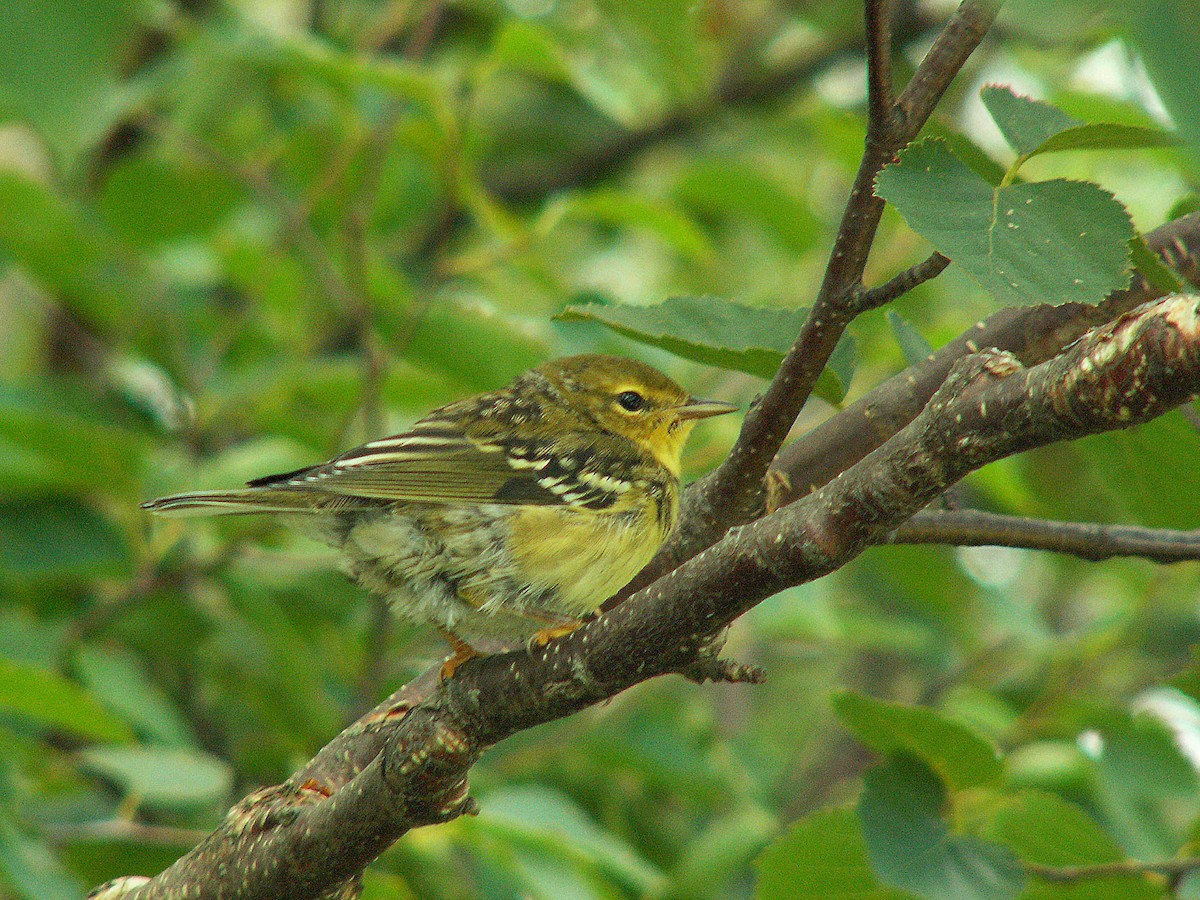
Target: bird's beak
(702, 409)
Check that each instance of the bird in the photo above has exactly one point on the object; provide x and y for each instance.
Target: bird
(504, 517)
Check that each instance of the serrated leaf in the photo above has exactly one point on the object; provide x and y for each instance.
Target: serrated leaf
(160, 776)
(719, 333)
(1025, 123)
(1046, 242)
(1107, 136)
(911, 848)
(955, 752)
(1033, 127)
(912, 343)
(821, 857)
(49, 699)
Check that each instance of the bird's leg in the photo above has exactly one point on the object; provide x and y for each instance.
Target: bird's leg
(462, 652)
(553, 633)
(555, 627)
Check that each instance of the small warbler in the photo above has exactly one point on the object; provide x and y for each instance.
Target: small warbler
(504, 516)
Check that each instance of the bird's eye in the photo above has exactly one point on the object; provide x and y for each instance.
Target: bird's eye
(631, 400)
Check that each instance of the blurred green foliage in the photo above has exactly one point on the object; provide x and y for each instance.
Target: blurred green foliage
(237, 237)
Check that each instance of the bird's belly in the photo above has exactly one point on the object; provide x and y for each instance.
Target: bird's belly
(494, 571)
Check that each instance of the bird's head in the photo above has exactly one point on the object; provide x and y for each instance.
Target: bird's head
(631, 399)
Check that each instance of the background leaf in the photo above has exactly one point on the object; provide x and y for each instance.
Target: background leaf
(51, 700)
(962, 758)
(910, 846)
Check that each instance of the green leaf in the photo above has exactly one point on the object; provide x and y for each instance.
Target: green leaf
(551, 822)
(956, 753)
(821, 857)
(911, 848)
(718, 333)
(54, 241)
(528, 47)
(120, 682)
(476, 344)
(150, 201)
(52, 700)
(1047, 830)
(1151, 267)
(912, 343)
(624, 209)
(60, 68)
(1167, 35)
(1034, 127)
(56, 438)
(44, 541)
(709, 330)
(721, 850)
(163, 777)
(1108, 136)
(1025, 123)
(1147, 789)
(29, 866)
(731, 188)
(1046, 242)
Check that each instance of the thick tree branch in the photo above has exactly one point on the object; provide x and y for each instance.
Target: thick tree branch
(315, 833)
(1088, 540)
(734, 493)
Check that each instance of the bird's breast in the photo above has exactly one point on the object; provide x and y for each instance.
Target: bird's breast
(586, 556)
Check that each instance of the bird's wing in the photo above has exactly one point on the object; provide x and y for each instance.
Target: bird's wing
(436, 462)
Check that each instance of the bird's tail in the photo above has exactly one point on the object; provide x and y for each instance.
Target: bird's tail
(238, 502)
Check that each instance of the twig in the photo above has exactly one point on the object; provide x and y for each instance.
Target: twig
(1087, 540)
(1126, 868)
(873, 298)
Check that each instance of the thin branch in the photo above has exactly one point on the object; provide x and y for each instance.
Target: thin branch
(407, 763)
(1126, 868)
(880, 96)
(926, 270)
(1087, 540)
(964, 32)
